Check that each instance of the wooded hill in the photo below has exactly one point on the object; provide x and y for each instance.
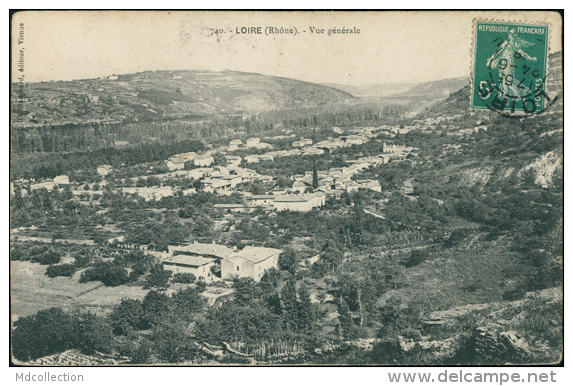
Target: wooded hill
(153, 95)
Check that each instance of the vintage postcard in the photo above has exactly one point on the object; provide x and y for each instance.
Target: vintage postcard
(286, 188)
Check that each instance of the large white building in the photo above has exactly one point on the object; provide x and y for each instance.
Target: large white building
(204, 160)
(250, 262)
(299, 202)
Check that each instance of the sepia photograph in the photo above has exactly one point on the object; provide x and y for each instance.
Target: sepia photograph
(286, 188)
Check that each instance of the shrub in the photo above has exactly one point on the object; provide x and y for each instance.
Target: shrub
(126, 316)
(105, 272)
(61, 270)
(115, 276)
(48, 258)
(94, 334)
(183, 278)
(48, 332)
(171, 344)
(158, 278)
(456, 237)
(416, 257)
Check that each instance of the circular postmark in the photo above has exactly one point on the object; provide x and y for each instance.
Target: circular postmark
(510, 64)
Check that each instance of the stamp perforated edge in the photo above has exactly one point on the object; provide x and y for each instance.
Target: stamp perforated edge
(473, 48)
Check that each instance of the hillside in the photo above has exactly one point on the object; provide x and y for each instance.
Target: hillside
(154, 95)
(433, 90)
(374, 90)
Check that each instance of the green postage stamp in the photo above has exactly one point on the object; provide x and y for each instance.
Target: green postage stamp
(510, 67)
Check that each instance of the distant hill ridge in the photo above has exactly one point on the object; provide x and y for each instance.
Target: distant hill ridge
(154, 94)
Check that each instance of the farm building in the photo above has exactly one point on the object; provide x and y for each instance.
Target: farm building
(299, 202)
(261, 199)
(214, 251)
(104, 170)
(250, 262)
(204, 160)
(197, 265)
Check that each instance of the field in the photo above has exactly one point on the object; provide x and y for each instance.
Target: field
(32, 291)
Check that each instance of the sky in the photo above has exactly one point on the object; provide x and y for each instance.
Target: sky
(392, 47)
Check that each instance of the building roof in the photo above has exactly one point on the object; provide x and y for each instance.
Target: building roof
(192, 261)
(295, 198)
(261, 197)
(216, 250)
(228, 206)
(255, 254)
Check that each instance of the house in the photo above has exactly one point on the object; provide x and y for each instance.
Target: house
(252, 142)
(351, 187)
(299, 202)
(175, 163)
(261, 199)
(371, 185)
(196, 265)
(263, 145)
(253, 159)
(235, 144)
(356, 139)
(394, 148)
(150, 194)
(204, 160)
(62, 180)
(104, 170)
(216, 185)
(299, 186)
(214, 251)
(302, 142)
(313, 151)
(233, 160)
(233, 180)
(266, 157)
(250, 262)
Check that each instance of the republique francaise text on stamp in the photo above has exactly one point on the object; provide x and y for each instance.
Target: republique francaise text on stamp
(510, 67)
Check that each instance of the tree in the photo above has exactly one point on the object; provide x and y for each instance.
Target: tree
(331, 256)
(270, 280)
(348, 328)
(288, 261)
(126, 316)
(290, 304)
(61, 270)
(314, 176)
(115, 276)
(235, 322)
(48, 332)
(158, 278)
(183, 277)
(187, 302)
(94, 334)
(171, 343)
(50, 257)
(155, 306)
(306, 312)
(246, 290)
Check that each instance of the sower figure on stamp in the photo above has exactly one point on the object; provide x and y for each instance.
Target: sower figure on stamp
(504, 59)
